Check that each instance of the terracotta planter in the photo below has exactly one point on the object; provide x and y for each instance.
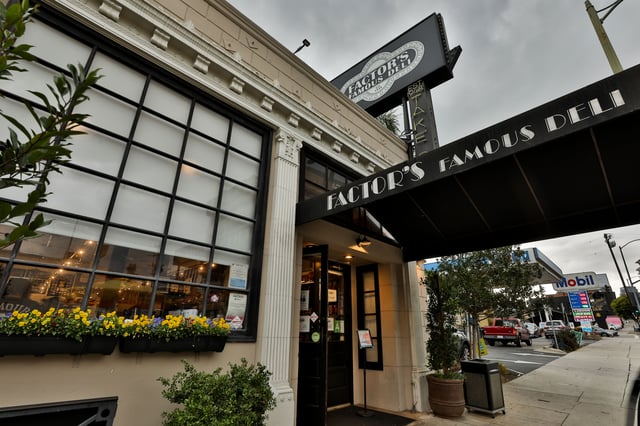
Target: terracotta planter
(446, 396)
(39, 345)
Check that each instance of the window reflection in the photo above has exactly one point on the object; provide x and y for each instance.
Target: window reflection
(184, 269)
(30, 288)
(177, 299)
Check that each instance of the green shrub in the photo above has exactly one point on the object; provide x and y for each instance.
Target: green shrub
(567, 340)
(240, 397)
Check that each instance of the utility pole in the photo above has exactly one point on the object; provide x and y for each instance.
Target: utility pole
(602, 34)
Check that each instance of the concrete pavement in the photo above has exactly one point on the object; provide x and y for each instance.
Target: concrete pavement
(591, 386)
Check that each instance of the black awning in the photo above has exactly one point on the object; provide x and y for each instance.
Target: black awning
(566, 167)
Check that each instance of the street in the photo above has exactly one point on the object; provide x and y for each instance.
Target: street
(524, 359)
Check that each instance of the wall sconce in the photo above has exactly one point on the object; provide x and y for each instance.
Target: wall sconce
(362, 241)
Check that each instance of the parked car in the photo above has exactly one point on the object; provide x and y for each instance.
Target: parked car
(507, 330)
(534, 330)
(596, 329)
(464, 347)
(614, 326)
(552, 327)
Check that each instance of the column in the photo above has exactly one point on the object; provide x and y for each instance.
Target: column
(276, 304)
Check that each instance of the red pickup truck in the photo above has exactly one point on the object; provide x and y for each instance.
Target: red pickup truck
(507, 330)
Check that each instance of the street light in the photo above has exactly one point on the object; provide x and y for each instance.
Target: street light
(596, 21)
(631, 283)
(608, 238)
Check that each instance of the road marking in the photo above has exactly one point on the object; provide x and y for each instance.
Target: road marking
(514, 362)
(534, 354)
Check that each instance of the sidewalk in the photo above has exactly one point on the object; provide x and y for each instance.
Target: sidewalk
(590, 386)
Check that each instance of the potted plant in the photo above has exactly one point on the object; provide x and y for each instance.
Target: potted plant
(446, 383)
(174, 333)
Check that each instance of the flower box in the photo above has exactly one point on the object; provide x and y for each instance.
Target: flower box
(39, 345)
(189, 344)
(103, 345)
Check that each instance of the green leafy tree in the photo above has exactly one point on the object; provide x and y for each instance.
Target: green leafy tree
(492, 281)
(28, 155)
(622, 307)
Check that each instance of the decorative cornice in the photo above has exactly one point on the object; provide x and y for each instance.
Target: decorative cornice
(221, 63)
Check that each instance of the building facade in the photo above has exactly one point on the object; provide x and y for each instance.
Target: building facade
(203, 135)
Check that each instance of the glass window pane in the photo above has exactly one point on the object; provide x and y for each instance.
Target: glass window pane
(184, 269)
(239, 200)
(35, 78)
(66, 242)
(234, 233)
(217, 303)
(192, 222)
(159, 134)
(316, 173)
(221, 258)
(369, 303)
(108, 112)
(371, 355)
(370, 322)
(192, 251)
(150, 169)
(54, 46)
(336, 180)
(198, 186)
(205, 153)
(210, 123)
(168, 102)
(140, 209)
(175, 298)
(246, 140)
(97, 151)
(129, 252)
(243, 169)
(117, 236)
(126, 296)
(369, 281)
(42, 288)
(119, 78)
(81, 193)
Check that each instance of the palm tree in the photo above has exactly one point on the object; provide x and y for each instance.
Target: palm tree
(389, 120)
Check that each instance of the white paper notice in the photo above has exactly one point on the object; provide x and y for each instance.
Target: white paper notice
(236, 310)
(238, 275)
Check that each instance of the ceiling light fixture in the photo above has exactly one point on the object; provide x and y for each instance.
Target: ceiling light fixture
(362, 241)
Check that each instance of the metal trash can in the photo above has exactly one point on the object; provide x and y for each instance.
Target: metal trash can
(483, 386)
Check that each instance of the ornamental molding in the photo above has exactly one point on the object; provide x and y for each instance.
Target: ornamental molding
(223, 72)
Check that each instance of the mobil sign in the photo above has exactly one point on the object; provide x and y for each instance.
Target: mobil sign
(579, 281)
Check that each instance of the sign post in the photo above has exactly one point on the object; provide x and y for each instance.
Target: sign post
(365, 342)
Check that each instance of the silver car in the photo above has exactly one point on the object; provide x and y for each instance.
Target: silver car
(595, 329)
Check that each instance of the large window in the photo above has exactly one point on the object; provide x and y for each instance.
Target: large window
(320, 175)
(161, 209)
(369, 315)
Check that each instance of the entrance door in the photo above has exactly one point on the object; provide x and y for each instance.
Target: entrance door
(339, 362)
(312, 349)
(324, 352)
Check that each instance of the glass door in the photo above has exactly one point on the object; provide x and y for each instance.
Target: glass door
(312, 347)
(339, 356)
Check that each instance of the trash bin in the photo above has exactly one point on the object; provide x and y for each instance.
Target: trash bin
(483, 386)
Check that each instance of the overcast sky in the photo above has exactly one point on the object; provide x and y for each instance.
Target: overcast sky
(515, 56)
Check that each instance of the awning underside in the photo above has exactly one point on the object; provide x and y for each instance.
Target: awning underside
(583, 182)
